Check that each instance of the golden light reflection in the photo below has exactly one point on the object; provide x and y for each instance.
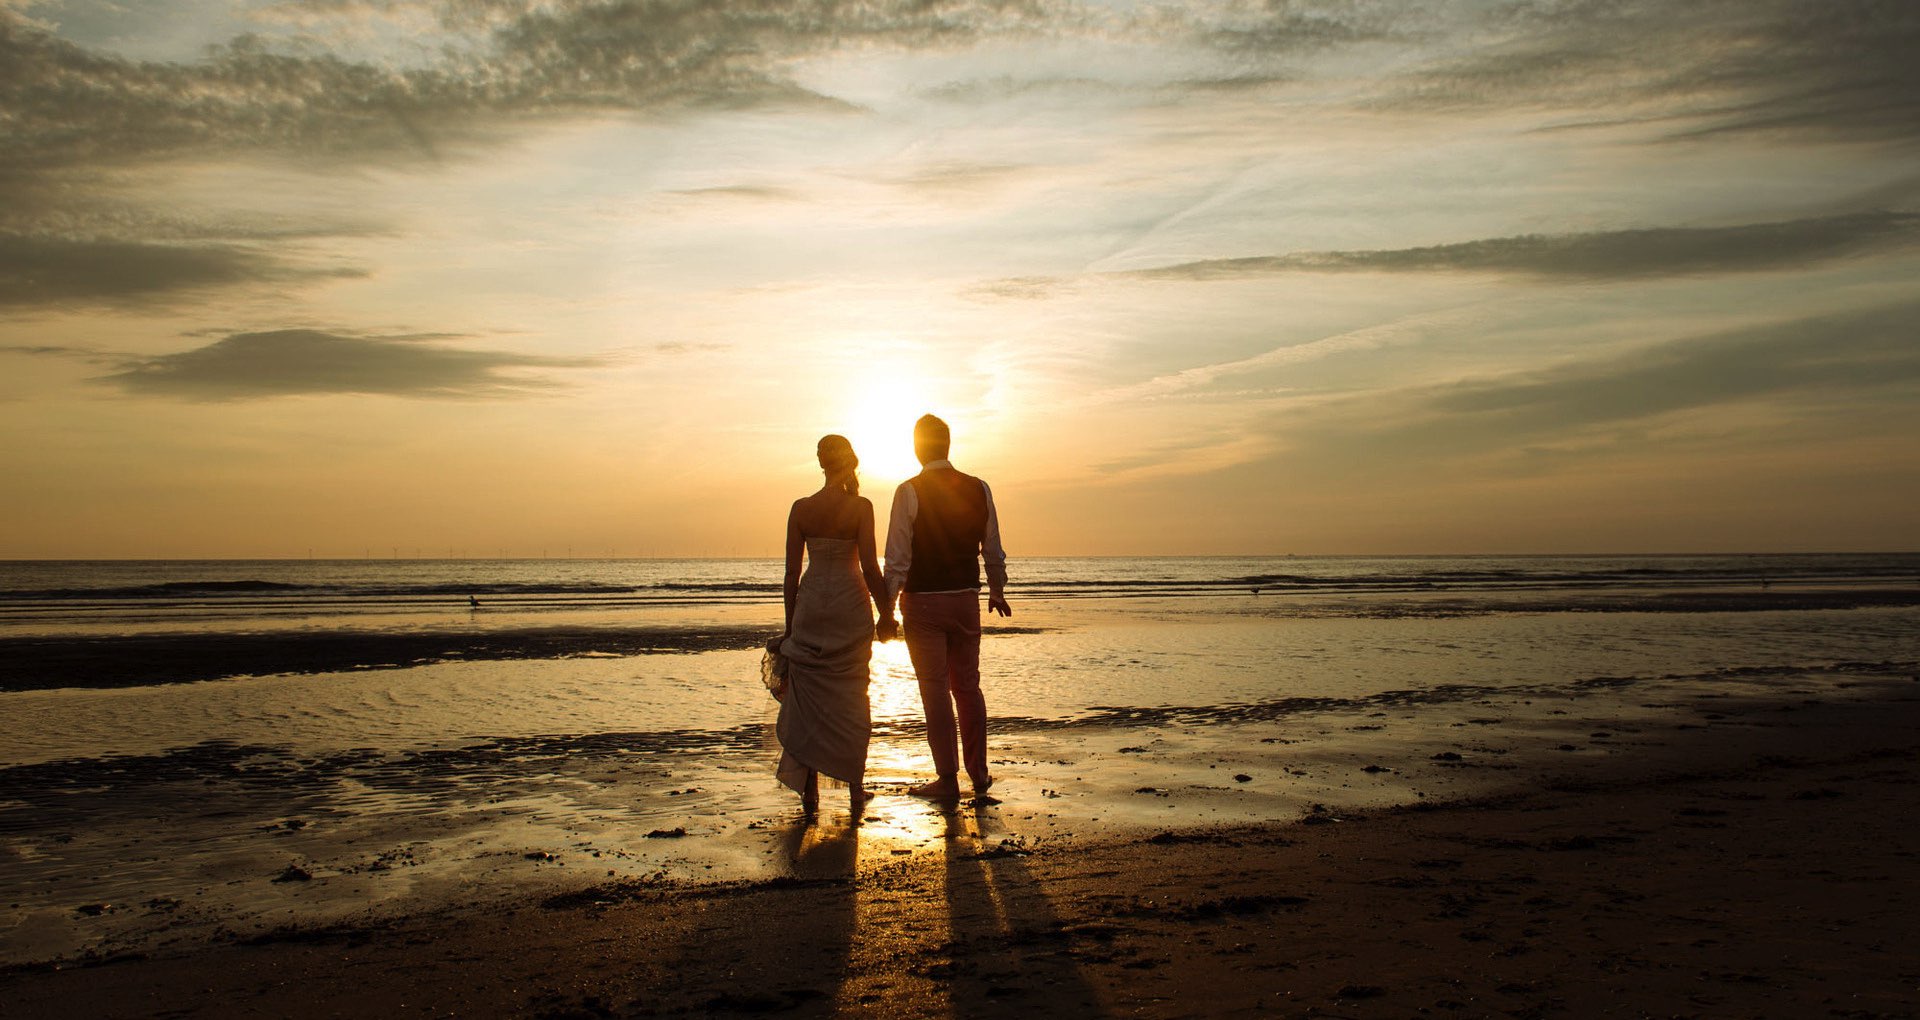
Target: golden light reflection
(893, 693)
(896, 822)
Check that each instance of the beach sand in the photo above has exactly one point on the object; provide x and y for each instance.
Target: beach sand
(1698, 856)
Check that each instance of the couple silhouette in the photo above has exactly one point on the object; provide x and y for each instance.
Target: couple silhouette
(942, 526)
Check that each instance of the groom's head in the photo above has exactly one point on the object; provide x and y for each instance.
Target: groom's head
(930, 439)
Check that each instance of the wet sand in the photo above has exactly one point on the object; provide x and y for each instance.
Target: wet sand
(131, 660)
(1709, 857)
(192, 649)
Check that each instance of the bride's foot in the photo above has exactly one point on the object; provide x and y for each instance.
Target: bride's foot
(857, 798)
(944, 788)
(810, 795)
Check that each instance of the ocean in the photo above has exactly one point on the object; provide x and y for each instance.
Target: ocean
(153, 592)
(179, 735)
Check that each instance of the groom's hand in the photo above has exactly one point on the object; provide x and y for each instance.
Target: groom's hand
(998, 604)
(887, 629)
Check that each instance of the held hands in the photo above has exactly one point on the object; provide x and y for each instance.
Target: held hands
(887, 629)
(998, 604)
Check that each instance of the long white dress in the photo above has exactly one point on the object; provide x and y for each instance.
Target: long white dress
(825, 718)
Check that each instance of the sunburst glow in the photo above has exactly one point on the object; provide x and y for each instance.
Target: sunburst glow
(880, 425)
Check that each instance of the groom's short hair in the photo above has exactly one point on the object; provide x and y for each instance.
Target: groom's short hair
(932, 435)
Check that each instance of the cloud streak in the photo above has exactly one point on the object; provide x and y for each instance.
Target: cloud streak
(292, 362)
(1604, 255)
(1855, 359)
(68, 105)
(41, 270)
(1824, 69)
(1837, 354)
(1649, 253)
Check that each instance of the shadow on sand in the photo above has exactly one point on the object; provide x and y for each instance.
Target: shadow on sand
(1009, 951)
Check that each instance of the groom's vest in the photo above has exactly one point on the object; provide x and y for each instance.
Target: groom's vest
(947, 530)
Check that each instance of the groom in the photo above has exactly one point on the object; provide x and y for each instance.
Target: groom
(943, 524)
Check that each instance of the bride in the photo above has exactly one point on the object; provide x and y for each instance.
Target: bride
(824, 714)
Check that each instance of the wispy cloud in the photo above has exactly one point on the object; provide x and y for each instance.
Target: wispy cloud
(1852, 359)
(1648, 253)
(1402, 332)
(1807, 68)
(1601, 255)
(303, 361)
(69, 105)
(741, 192)
(1295, 26)
(54, 351)
(1867, 350)
(40, 270)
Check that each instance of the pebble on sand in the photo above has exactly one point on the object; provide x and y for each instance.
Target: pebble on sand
(674, 833)
(294, 873)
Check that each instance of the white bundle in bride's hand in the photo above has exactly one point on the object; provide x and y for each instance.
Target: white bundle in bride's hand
(773, 669)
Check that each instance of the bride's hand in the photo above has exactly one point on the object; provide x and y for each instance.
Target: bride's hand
(887, 629)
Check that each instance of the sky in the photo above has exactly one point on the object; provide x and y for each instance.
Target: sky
(590, 277)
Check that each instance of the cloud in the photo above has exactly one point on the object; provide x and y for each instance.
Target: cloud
(40, 270)
(1866, 350)
(1811, 68)
(304, 361)
(1648, 253)
(675, 347)
(745, 192)
(58, 351)
(962, 177)
(1018, 288)
(1854, 360)
(1001, 88)
(1602, 255)
(68, 105)
(1293, 26)
(1401, 332)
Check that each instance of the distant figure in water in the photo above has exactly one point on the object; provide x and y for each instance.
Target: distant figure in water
(943, 525)
(825, 718)
(472, 602)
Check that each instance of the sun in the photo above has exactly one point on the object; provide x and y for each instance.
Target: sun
(880, 425)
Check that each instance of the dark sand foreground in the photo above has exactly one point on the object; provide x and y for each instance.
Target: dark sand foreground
(1780, 885)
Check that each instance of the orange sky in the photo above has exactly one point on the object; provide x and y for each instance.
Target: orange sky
(503, 278)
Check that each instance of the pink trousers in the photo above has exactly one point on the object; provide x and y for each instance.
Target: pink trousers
(942, 632)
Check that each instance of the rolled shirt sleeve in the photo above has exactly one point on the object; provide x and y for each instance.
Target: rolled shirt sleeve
(906, 505)
(991, 551)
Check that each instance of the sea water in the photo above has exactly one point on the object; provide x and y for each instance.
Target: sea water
(177, 735)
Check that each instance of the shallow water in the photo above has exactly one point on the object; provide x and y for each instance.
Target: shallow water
(1079, 661)
(150, 814)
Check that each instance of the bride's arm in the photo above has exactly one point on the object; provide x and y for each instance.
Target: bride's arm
(790, 587)
(870, 567)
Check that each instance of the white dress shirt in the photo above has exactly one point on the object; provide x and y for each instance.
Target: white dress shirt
(906, 506)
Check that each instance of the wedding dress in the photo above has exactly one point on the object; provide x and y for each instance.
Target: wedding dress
(824, 715)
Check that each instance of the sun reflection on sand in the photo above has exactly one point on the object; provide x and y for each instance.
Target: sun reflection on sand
(893, 692)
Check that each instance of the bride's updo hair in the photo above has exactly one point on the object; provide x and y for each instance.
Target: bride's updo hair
(838, 460)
